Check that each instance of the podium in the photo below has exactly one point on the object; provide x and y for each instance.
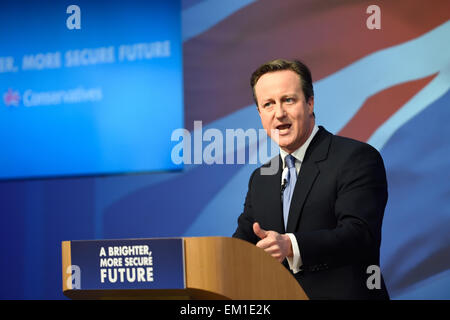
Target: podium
(174, 268)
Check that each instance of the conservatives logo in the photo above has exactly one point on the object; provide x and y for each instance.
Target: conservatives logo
(32, 98)
(11, 98)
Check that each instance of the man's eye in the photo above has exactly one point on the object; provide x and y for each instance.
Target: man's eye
(267, 104)
(289, 100)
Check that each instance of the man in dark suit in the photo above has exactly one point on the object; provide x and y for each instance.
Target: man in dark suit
(321, 212)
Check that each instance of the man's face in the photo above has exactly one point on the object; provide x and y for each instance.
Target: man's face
(282, 108)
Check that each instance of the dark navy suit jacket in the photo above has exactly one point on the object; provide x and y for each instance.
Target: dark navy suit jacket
(336, 215)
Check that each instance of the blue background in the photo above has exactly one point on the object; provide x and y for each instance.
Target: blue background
(205, 200)
(127, 131)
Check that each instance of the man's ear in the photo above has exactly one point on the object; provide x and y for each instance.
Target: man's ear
(311, 106)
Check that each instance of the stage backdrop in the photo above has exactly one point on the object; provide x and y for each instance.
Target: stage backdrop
(383, 79)
(85, 88)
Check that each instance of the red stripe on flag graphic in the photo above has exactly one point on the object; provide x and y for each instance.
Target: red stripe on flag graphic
(327, 36)
(380, 107)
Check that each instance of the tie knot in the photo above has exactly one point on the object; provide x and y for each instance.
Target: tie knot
(290, 161)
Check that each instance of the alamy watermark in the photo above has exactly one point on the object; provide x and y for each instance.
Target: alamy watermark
(374, 280)
(73, 280)
(229, 146)
(374, 20)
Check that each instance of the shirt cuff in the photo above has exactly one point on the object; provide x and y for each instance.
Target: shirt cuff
(295, 262)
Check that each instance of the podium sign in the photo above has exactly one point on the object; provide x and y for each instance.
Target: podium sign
(124, 264)
(174, 268)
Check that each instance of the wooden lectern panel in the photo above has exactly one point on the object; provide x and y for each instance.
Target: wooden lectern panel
(214, 268)
(236, 269)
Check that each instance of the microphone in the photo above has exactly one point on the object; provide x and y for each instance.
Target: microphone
(283, 185)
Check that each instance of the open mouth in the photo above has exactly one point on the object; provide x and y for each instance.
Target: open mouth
(282, 127)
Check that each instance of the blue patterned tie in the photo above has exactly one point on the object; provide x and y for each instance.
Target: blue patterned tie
(291, 179)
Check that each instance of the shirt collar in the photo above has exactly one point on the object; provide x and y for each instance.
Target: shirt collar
(299, 154)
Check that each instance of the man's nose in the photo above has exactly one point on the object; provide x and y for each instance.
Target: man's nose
(280, 112)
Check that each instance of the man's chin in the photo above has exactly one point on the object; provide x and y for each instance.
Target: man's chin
(283, 142)
(286, 147)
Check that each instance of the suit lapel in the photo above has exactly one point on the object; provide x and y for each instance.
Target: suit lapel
(317, 151)
(273, 199)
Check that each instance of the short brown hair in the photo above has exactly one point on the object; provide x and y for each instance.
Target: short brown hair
(281, 64)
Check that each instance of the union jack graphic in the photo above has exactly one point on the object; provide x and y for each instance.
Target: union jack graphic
(388, 87)
(11, 98)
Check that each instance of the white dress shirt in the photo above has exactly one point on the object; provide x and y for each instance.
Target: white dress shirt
(295, 262)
